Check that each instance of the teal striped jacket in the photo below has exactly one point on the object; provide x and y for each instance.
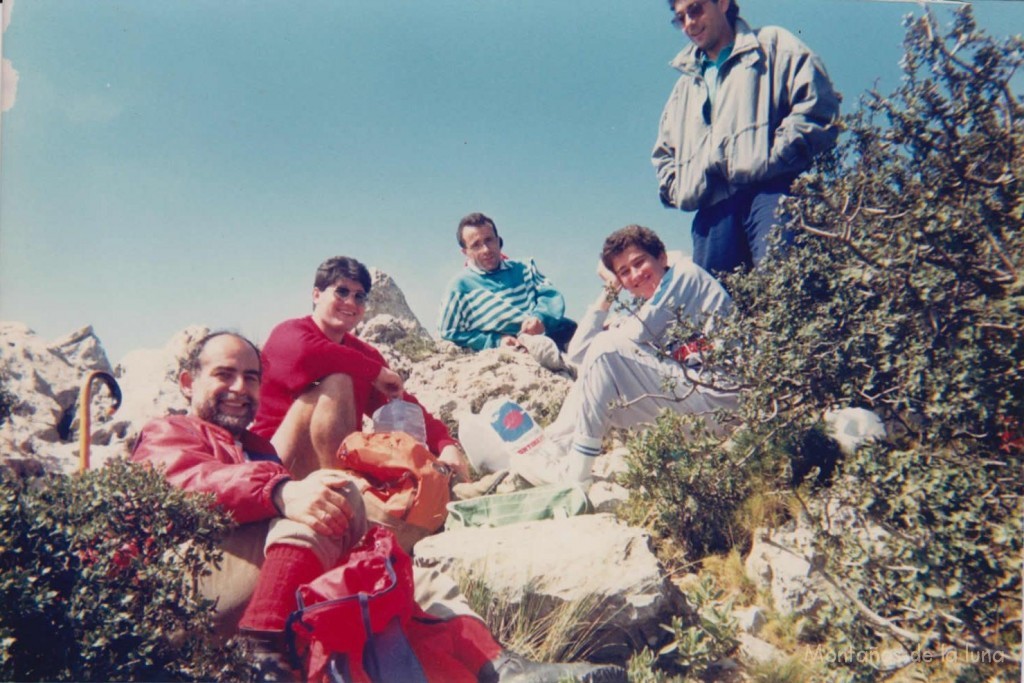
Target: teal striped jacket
(480, 308)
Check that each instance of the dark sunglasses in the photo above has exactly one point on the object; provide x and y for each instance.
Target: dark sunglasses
(694, 11)
(343, 293)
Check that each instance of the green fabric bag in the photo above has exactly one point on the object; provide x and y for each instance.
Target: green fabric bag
(554, 501)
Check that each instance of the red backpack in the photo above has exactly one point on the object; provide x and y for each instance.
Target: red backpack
(359, 623)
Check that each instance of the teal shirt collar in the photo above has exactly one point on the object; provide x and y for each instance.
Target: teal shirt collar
(503, 265)
(723, 55)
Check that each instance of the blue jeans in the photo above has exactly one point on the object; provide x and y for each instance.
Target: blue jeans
(561, 332)
(734, 233)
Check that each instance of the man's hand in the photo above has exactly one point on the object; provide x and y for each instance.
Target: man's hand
(319, 501)
(612, 286)
(453, 456)
(610, 279)
(509, 340)
(532, 325)
(389, 383)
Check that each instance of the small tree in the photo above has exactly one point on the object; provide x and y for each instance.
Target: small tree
(97, 580)
(906, 298)
(904, 295)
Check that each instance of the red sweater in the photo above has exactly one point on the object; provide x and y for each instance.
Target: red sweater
(298, 353)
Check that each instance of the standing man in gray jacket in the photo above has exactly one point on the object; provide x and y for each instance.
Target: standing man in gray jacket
(746, 117)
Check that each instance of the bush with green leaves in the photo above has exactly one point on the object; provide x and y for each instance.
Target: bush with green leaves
(903, 294)
(685, 488)
(415, 347)
(694, 649)
(98, 575)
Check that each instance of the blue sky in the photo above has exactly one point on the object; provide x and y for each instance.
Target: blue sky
(192, 162)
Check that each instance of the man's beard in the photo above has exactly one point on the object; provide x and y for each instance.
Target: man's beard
(236, 424)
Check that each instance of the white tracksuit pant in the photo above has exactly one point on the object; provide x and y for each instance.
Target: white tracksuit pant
(621, 380)
(623, 385)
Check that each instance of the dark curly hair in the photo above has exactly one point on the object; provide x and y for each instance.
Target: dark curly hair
(631, 236)
(337, 267)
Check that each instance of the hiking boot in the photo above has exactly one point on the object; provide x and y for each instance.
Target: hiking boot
(267, 657)
(510, 667)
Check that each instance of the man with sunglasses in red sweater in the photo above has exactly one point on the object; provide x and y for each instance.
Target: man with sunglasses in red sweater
(320, 380)
(749, 113)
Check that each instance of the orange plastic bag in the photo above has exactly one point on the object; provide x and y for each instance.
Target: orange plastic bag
(407, 479)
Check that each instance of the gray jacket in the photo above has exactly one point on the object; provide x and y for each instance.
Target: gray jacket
(774, 110)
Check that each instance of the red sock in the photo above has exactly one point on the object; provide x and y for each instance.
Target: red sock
(285, 568)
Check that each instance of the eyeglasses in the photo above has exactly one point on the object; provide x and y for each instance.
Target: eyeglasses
(342, 293)
(485, 244)
(692, 11)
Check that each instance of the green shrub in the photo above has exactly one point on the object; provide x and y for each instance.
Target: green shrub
(909, 300)
(685, 487)
(97, 580)
(904, 294)
(694, 649)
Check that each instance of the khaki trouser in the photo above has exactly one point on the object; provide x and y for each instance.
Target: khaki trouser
(233, 584)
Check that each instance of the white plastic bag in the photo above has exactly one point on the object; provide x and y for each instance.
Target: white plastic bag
(482, 445)
(853, 426)
(504, 436)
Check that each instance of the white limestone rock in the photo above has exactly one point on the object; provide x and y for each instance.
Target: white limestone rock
(149, 384)
(588, 557)
(386, 298)
(782, 561)
(751, 619)
(43, 379)
(606, 496)
(759, 651)
(455, 381)
(46, 378)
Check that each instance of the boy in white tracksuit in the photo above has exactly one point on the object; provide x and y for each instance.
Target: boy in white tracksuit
(622, 370)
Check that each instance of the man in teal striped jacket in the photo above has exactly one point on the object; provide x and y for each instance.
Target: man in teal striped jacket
(494, 299)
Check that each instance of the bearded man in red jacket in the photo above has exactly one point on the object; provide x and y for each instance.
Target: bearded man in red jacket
(305, 526)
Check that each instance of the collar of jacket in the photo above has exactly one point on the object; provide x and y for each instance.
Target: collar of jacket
(247, 439)
(688, 60)
(502, 265)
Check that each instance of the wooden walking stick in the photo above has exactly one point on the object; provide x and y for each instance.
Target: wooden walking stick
(84, 405)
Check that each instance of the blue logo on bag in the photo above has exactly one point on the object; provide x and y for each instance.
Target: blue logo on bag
(511, 422)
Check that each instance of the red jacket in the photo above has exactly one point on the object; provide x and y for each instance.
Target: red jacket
(199, 456)
(298, 353)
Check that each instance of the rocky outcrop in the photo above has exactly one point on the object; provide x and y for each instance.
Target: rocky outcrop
(455, 381)
(149, 382)
(45, 379)
(42, 380)
(594, 561)
(782, 563)
(387, 299)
